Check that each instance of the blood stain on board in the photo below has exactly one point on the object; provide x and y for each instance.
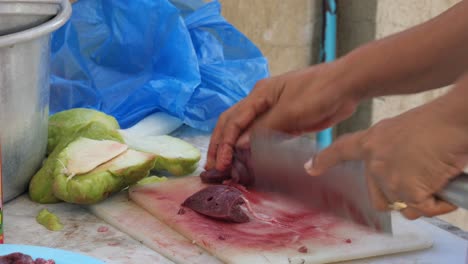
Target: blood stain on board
(293, 225)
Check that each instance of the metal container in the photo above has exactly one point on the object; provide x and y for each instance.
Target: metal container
(20, 15)
(24, 99)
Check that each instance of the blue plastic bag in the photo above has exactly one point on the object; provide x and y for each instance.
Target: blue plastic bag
(133, 58)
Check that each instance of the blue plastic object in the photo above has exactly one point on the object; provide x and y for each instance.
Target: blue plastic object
(133, 58)
(60, 256)
(325, 137)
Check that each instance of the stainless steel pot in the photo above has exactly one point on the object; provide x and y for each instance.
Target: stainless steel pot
(20, 15)
(24, 98)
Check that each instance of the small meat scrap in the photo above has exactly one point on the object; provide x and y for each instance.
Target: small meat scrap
(215, 176)
(220, 202)
(16, 258)
(44, 261)
(348, 241)
(241, 171)
(103, 229)
(303, 249)
(20, 258)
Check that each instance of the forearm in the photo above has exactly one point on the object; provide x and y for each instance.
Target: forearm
(428, 56)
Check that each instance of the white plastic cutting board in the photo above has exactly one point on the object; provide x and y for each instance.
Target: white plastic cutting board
(150, 229)
(332, 239)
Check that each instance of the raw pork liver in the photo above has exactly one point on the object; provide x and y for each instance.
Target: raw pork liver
(220, 202)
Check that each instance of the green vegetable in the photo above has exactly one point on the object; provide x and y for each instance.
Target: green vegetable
(174, 155)
(87, 163)
(151, 179)
(40, 186)
(100, 182)
(68, 122)
(49, 220)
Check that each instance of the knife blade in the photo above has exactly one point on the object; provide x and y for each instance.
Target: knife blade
(278, 166)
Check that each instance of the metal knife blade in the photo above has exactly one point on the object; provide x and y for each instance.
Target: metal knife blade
(278, 166)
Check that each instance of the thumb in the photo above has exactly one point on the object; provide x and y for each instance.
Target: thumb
(345, 148)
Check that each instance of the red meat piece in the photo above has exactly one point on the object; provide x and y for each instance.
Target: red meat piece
(221, 202)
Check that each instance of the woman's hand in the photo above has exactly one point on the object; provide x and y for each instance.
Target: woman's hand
(320, 96)
(296, 102)
(408, 158)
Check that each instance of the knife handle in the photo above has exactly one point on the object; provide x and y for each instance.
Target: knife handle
(456, 191)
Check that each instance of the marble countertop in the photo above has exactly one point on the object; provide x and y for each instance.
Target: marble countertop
(81, 233)
(84, 233)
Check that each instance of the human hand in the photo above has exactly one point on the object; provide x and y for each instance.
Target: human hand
(408, 158)
(301, 101)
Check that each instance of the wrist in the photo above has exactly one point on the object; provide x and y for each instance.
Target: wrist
(452, 106)
(351, 80)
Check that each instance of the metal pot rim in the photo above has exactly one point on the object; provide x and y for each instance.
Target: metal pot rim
(32, 33)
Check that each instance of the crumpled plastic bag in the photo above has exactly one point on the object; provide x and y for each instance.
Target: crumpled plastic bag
(130, 59)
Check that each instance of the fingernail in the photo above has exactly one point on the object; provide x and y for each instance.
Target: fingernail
(310, 169)
(308, 166)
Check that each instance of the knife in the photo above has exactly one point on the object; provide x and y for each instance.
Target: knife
(278, 166)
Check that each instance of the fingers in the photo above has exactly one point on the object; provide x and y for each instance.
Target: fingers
(215, 140)
(429, 208)
(232, 124)
(347, 147)
(241, 119)
(411, 213)
(237, 122)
